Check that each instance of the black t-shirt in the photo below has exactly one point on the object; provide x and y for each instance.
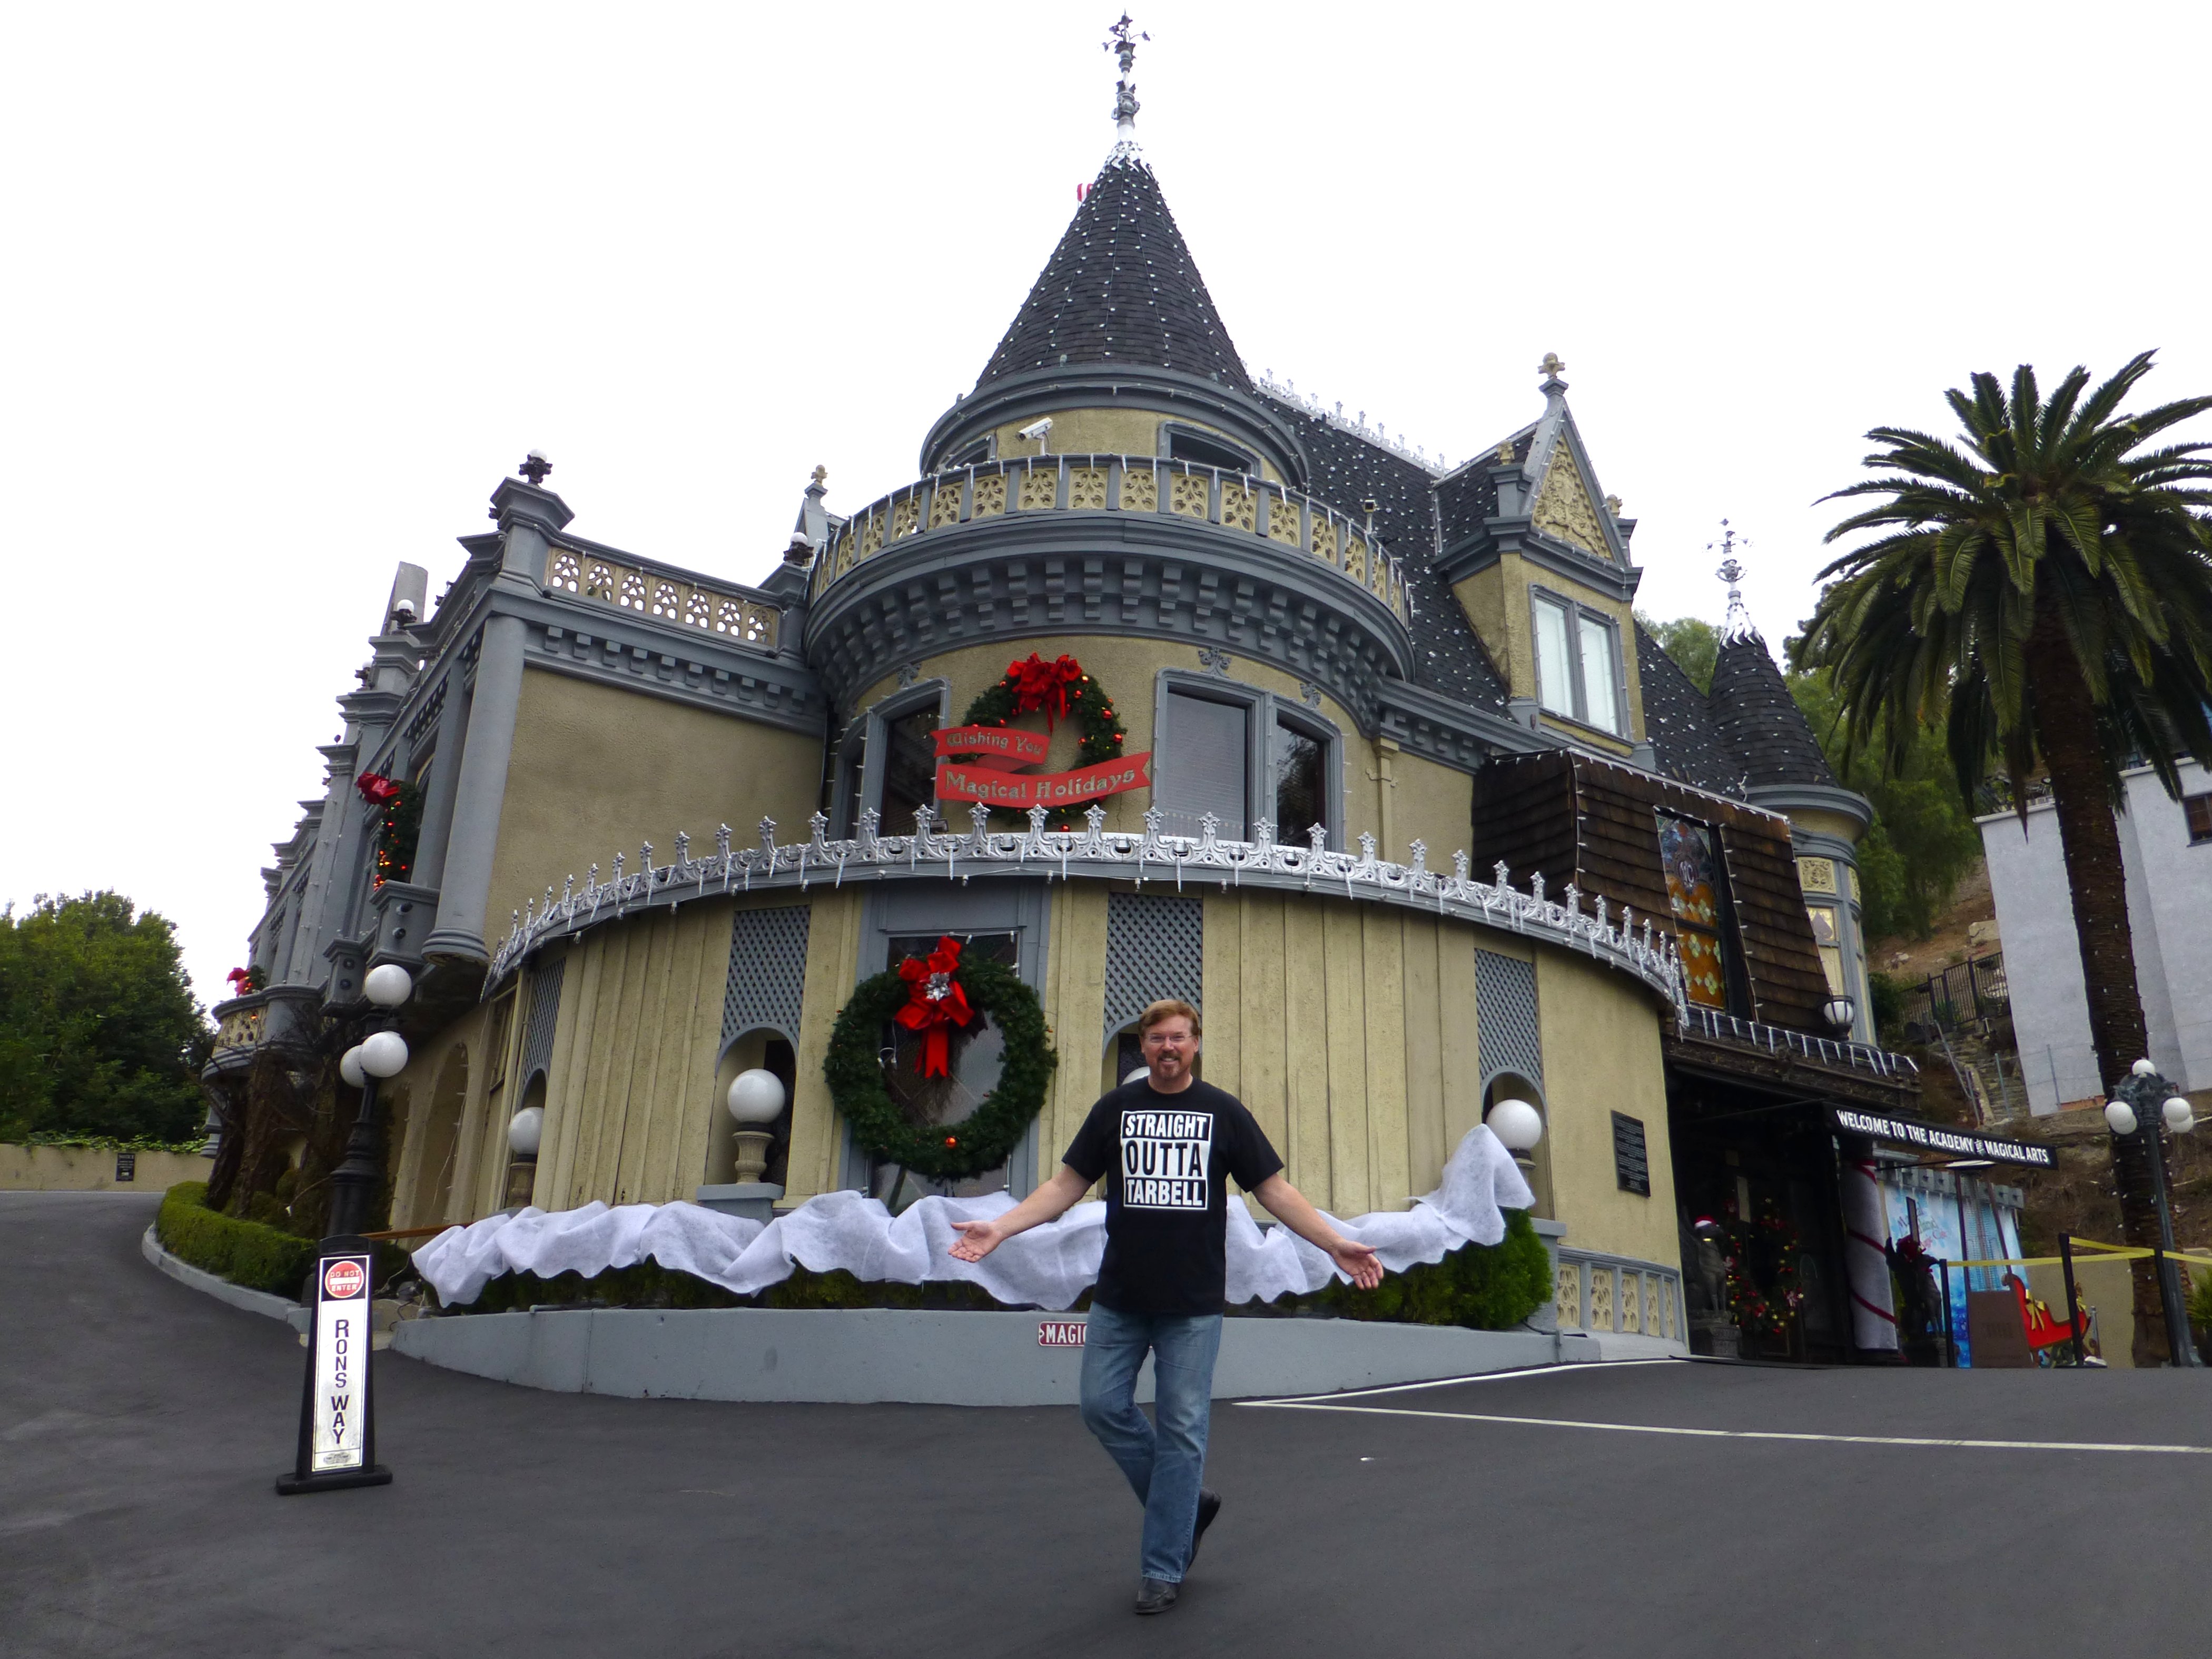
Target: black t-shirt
(1167, 1160)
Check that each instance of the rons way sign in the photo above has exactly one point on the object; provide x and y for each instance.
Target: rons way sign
(338, 1424)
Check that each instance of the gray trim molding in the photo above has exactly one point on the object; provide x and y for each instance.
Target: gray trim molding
(1022, 576)
(1501, 535)
(1788, 798)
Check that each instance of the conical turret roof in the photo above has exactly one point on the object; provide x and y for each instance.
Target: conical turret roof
(1121, 287)
(1755, 715)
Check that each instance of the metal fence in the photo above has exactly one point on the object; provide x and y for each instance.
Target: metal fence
(1967, 996)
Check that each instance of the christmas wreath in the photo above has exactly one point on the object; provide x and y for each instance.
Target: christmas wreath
(1763, 1287)
(1060, 690)
(934, 996)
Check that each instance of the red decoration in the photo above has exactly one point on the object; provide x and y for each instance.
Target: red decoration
(1039, 684)
(377, 789)
(934, 1000)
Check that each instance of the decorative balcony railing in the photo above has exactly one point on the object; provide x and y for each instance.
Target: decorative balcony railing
(1713, 1026)
(1235, 503)
(664, 592)
(240, 1024)
(1096, 853)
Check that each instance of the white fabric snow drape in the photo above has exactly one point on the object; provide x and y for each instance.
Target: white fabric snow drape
(1047, 1267)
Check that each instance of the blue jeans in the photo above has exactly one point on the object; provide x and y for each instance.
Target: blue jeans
(1163, 1464)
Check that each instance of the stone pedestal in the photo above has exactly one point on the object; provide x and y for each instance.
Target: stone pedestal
(753, 1146)
(753, 1199)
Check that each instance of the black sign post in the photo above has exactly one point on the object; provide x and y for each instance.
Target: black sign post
(126, 1166)
(337, 1412)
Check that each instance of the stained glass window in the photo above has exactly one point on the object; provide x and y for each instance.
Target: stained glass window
(1695, 892)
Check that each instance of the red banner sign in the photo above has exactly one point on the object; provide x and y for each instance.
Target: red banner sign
(997, 788)
(1004, 747)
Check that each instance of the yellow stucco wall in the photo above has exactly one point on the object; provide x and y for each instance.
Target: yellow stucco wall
(1496, 600)
(1601, 1055)
(597, 770)
(92, 1169)
(1121, 431)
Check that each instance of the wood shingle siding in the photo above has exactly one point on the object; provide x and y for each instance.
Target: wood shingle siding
(1572, 818)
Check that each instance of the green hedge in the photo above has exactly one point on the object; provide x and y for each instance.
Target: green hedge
(111, 1144)
(244, 1252)
(1483, 1288)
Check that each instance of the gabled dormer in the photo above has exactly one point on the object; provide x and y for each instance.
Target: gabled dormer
(1538, 558)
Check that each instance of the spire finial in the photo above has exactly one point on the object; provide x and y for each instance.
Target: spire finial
(1738, 626)
(1550, 368)
(1122, 40)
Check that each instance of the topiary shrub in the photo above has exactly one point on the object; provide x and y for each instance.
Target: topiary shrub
(245, 1252)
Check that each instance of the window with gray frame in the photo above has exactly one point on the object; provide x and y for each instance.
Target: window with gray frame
(1578, 663)
(1242, 754)
(888, 760)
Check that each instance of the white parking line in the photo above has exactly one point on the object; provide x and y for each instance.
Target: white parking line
(1737, 1434)
(1478, 1376)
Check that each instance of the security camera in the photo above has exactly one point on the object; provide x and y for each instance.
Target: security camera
(1036, 429)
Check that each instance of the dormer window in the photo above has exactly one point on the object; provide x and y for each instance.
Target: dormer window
(1204, 449)
(1578, 664)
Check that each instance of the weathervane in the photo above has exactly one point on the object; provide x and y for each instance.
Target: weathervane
(1121, 40)
(1738, 625)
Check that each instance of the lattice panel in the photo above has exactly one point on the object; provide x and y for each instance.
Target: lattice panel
(1155, 948)
(1505, 1017)
(544, 1013)
(767, 972)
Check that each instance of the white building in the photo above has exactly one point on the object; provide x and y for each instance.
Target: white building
(2166, 846)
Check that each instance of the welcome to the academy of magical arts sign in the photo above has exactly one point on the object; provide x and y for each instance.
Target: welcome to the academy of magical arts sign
(981, 762)
(1935, 1138)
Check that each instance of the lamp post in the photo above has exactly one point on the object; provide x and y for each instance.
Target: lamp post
(2145, 1104)
(382, 1054)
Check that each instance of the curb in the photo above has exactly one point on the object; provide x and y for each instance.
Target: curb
(208, 1284)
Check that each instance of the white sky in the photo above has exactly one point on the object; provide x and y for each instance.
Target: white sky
(287, 290)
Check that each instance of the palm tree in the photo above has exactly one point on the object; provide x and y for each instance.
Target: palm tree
(2044, 593)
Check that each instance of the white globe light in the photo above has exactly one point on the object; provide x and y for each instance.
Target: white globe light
(1517, 1123)
(2180, 1116)
(2120, 1116)
(524, 1131)
(387, 986)
(383, 1053)
(1141, 1071)
(756, 1097)
(349, 1067)
(2143, 1068)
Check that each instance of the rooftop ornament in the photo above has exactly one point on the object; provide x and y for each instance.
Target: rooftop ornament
(1122, 40)
(1738, 626)
(534, 467)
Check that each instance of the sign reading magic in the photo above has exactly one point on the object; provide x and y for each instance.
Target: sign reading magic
(982, 763)
(1935, 1138)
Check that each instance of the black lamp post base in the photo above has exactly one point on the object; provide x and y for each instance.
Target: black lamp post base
(290, 1486)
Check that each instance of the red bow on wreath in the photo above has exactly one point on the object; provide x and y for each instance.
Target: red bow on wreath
(376, 789)
(241, 978)
(1039, 684)
(934, 1000)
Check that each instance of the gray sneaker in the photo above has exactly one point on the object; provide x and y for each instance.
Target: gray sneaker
(1155, 1595)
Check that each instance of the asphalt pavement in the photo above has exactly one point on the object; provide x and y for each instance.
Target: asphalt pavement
(1654, 1510)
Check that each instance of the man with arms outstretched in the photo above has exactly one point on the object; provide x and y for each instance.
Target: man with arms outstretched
(1166, 1144)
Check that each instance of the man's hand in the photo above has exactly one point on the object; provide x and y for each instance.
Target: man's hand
(977, 1240)
(1365, 1267)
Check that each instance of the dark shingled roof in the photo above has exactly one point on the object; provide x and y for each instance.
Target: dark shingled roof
(1678, 722)
(1755, 714)
(1470, 495)
(1448, 656)
(1121, 287)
